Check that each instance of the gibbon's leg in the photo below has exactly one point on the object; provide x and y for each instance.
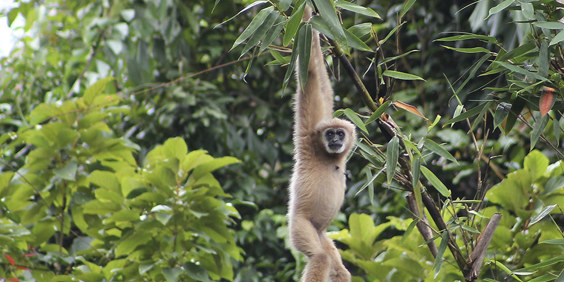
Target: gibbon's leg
(339, 272)
(306, 239)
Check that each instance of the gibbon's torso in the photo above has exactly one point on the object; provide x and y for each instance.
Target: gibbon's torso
(322, 192)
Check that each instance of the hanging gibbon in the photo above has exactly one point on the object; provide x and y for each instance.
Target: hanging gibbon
(317, 188)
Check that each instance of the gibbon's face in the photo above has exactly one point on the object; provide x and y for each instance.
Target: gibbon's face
(334, 140)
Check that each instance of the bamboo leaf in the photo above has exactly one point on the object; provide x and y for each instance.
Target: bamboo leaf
(440, 253)
(357, 9)
(406, 7)
(401, 75)
(544, 212)
(355, 119)
(557, 39)
(293, 24)
(376, 115)
(304, 52)
(257, 22)
(468, 114)
(437, 149)
(500, 7)
(517, 69)
(538, 128)
(392, 155)
(441, 188)
(472, 50)
(327, 12)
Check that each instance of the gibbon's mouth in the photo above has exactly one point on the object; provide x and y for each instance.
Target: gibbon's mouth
(335, 147)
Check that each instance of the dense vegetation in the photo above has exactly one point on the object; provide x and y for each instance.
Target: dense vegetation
(151, 140)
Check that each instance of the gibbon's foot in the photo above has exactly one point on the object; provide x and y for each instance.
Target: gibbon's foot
(340, 274)
(317, 268)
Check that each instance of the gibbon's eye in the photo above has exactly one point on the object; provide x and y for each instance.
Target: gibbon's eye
(329, 134)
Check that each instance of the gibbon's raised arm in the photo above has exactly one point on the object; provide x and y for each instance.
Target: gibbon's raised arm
(317, 188)
(314, 102)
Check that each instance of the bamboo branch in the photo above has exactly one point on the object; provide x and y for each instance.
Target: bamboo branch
(479, 252)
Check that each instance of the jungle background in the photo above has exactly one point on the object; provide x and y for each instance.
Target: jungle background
(151, 140)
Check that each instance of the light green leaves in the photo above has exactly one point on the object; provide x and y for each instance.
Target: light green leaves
(401, 75)
(435, 182)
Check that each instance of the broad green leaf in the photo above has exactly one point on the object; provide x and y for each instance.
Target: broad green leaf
(293, 24)
(175, 148)
(68, 172)
(392, 156)
(129, 243)
(536, 163)
(104, 179)
(472, 50)
(401, 75)
(357, 9)
(500, 7)
(304, 52)
(376, 115)
(439, 150)
(355, 119)
(43, 112)
(213, 165)
(257, 22)
(435, 181)
(557, 39)
(95, 89)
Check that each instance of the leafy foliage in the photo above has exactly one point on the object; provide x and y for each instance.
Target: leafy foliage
(83, 208)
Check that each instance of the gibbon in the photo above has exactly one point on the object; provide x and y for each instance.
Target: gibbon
(317, 188)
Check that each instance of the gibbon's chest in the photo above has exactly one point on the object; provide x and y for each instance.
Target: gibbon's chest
(327, 195)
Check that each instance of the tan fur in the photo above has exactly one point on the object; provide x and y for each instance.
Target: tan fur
(317, 187)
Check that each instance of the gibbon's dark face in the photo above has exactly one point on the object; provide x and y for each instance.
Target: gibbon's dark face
(334, 140)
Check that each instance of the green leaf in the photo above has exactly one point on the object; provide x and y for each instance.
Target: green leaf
(415, 171)
(327, 12)
(517, 69)
(500, 7)
(257, 22)
(212, 165)
(376, 115)
(468, 114)
(485, 38)
(392, 156)
(355, 119)
(528, 11)
(273, 33)
(440, 253)
(538, 128)
(43, 112)
(406, 7)
(435, 181)
(304, 52)
(95, 89)
(252, 5)
(549, 25)
(129, 243)
(472, 50)
(356, 43)
(262, 31)
(557, 39)
(357, 9)
(293, 24)
(437, 149)
(544, 212)
(401, 75)
(68, 172)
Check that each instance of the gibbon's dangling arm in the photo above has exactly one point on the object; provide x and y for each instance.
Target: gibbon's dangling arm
(314, 102)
